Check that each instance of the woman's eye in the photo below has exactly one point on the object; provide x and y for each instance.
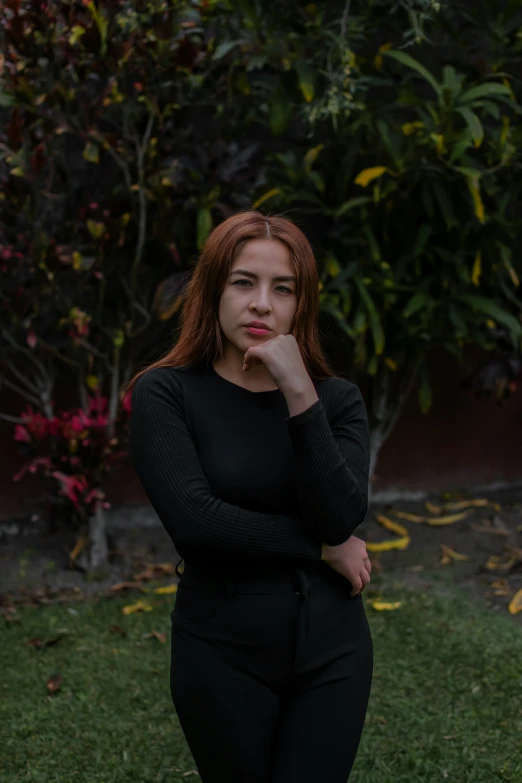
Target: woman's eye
(279, 286)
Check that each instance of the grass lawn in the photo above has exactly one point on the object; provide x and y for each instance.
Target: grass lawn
(446, 701)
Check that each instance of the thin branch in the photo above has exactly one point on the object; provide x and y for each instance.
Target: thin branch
(27, 351)
(95, 136)
(54, 352)
(94, 351)
(115, 388)
(142, 227)
(11, 419)
(344, 20)
(21, 392)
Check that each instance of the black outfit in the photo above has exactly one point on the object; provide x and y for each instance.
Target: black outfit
(271, 658)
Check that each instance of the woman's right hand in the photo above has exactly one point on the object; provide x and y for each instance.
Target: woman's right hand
(351, 560)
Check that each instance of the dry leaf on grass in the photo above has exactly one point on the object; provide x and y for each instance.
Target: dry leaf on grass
(496, 562)
(159, 635)
(515, 605)
(117, 629)
(54, 683)
(139, 606)
(450, 554)
(126, 586)
(166, 590)
(385, 605)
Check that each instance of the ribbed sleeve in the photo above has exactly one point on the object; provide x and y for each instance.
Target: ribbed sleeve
(332, 465)
(170, 471)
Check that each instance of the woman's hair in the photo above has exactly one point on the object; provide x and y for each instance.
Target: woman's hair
(200, 336)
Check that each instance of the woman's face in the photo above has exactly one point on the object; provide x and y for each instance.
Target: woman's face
(258, 295)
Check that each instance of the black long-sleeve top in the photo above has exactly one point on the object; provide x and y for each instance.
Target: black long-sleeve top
(235, 480)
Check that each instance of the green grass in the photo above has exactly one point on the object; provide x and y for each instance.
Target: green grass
(446, 701)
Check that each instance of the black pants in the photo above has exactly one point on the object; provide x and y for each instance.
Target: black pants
(270, 677)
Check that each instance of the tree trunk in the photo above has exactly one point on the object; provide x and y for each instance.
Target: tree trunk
(99, 550)
(386, 409)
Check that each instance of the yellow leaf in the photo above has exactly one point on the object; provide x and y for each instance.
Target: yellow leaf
(474, 189)
(95, 229)
(407, 516)
(432, 508)
(312, 154)
(410, 127)
(265, 196)
(377, 60)
(477, 268)
(76, 34)
(165, 181)
(496, 563)
(368, 175)
(17, 172)
(139, 606)
(516, 603)
(77, 261)
(448, 520)
(452, 554)
(167, 590)
(393, 526)
(81, 543)
(459, 504)
(385, 605)
(332, 265)
(91, 152)
(438, 138)
(392, 364)
(392, 543)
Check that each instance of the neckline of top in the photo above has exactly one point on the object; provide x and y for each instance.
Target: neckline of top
(237, 385)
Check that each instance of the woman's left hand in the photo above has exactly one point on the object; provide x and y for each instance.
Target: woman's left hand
(282, 358)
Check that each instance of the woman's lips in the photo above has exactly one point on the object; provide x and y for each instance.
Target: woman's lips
(256, 330)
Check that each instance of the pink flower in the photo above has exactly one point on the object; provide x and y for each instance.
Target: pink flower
(70, 486)
(22, 434)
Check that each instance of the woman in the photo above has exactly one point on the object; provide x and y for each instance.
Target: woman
(255, 458)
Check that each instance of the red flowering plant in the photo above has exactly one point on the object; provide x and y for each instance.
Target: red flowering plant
(78, 450)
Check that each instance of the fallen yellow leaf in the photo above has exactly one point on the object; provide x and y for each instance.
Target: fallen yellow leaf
(385, 605)
(452, 554)
(165, 568)
(81, 543)
(495, 562)
(516, 603)
(139, 606)
(406, 515)
(432, 508)
(167, 589)
(391, 543)
(448, 520)
(393, 526)
(457, 505)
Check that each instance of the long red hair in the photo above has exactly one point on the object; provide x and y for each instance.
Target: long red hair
(201, 337)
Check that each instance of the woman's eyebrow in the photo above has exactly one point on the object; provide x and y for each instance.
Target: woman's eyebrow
(252, 274)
